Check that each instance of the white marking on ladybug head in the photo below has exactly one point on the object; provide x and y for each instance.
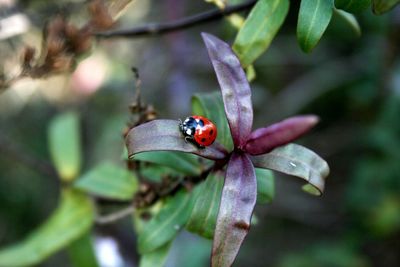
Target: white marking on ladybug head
(189, 131)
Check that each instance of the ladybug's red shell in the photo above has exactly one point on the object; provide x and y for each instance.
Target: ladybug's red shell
(205, 134)
(198, 130)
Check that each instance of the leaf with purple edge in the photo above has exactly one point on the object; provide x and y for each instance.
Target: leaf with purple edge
(298, 161)
(235, 88)
(263, 140)
(165, 135)
(237, 203)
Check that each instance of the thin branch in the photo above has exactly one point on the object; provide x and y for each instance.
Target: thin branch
(167, 27)
(115, 216)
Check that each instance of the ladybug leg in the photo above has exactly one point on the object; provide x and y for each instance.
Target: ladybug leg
(200, 146)
(188, 139)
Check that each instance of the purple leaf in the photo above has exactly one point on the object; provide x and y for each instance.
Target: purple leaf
(298, 161)
(234, 87)
(237, 203)
(159, 135)
(263, 140)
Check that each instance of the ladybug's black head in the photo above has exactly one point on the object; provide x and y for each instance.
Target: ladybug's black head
(188, 126)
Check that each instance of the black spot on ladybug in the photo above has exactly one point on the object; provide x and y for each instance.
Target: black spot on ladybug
(201, 123)
(211, 132)
(203, 140)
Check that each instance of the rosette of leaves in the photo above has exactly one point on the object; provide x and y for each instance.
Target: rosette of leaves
(236, 153)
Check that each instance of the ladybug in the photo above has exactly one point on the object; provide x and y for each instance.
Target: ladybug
(198, 130)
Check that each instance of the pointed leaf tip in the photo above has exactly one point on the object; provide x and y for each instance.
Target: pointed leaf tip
(313, 20)
(234, 86)
(263, 140)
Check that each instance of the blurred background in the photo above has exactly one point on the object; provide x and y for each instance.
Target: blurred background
(352, 83)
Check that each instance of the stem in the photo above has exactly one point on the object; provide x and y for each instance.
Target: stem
(115, 216)
(180, 24)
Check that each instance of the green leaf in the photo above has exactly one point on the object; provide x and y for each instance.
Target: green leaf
(259, 29)
(165, 225)
(314, 17)
(265, 186)
(205, 211)
(182, 162)
(210, 105)
(251, 73)
(155, 258)
(204, 215)
(350, 19)
(81, 252)
(298, 161)
(156, 173)
(65, 145)
(71, 219)
(353, 6)
(110, 181)
(382, 6)
(384, 220)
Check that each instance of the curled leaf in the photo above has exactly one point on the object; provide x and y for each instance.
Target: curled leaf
(237, 203)
(263, 140)
(164, 135)
(350, 20)
(235, 88)
(298, 161)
